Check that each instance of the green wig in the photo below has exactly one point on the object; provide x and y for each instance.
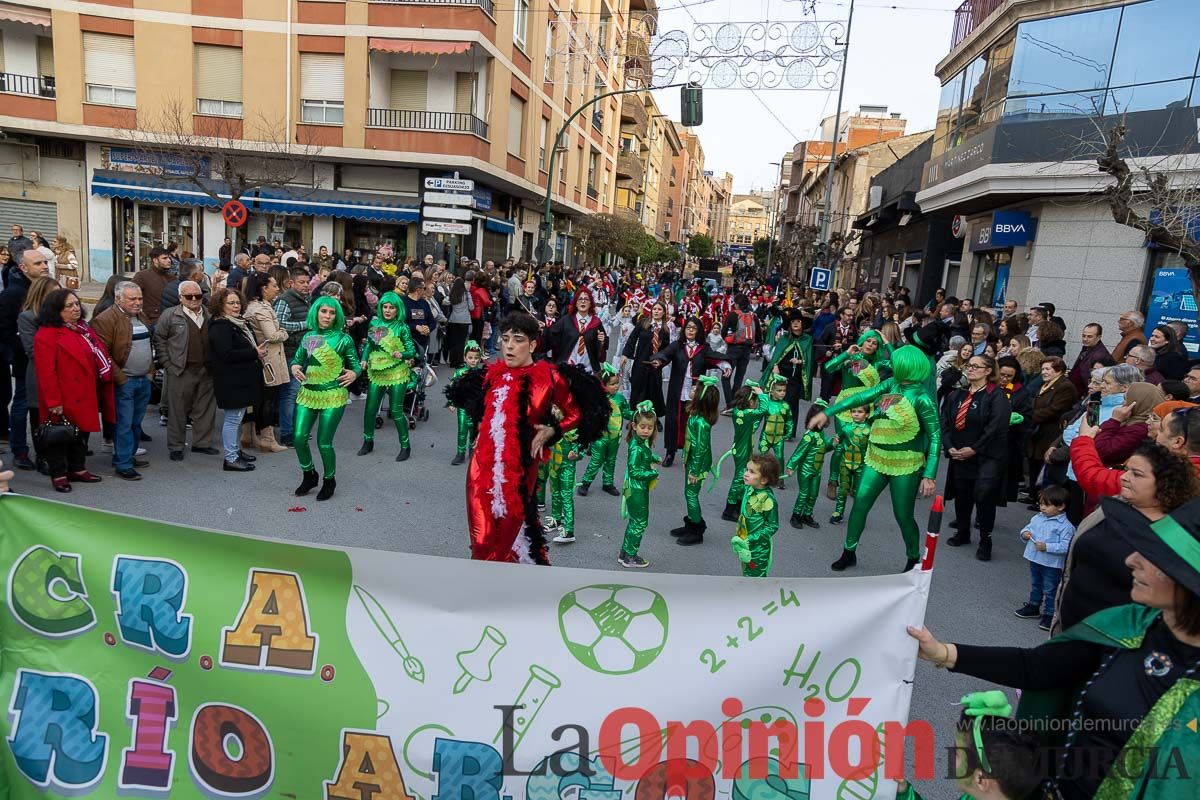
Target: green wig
(394, 299)
(871, 333)
(322, 302)
(910, 364)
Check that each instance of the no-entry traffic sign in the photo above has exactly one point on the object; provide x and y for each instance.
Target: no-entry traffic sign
(235, 213)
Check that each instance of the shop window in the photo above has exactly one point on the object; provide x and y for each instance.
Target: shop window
(1064, 54)
(1157, 42)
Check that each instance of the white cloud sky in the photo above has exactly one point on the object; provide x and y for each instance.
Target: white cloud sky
(894, 47)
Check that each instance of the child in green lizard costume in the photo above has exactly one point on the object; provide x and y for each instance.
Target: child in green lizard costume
(778, 423)
(759, 518)
(640, 478)
(387, 354)
(902, 450)
(565, 456)
(604, 449)
(325, 364)
(850, 456)
(747, 414)
(808, 460)
(704, 409)
(472, 357)
(860, 366)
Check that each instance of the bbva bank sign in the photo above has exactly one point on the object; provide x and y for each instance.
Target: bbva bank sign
(1008, 229)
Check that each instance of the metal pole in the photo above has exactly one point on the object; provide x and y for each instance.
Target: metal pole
(837, 124)
(771, 216)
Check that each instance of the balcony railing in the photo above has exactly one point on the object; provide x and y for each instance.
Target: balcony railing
(27, 84)
(969, 16)
(486, 5)
(451, 121)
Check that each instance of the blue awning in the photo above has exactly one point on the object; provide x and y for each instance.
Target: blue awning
(314, 202)
(499, 225)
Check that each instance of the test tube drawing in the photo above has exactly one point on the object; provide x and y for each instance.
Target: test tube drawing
(529, 703)
(476, 663)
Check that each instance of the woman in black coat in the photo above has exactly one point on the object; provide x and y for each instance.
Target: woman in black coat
(689, 358)
(1020, 401)
(645, 383)
(1168, 359)
(975, 438)
(580, 324)
(235, 361)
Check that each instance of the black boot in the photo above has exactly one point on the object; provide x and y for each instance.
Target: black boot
(311, 479)
(730, 514)
(797, 521)
(405, 452)
(368, 446)
(984, 551)
(808, 521)
(327, 489)
(669, 458)
(583, 489)
(613, 490)
(954, 524)
(695, 535)
(959, 539)
(682, 529)
(909, 564)
(848, 559)
(458, 459)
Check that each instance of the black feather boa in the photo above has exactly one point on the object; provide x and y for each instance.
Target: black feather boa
(467, 392)
(594, 404)
(525, 433)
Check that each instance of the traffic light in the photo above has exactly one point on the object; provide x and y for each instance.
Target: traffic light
(691, 105)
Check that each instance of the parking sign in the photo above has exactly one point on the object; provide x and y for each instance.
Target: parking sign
(818, 278)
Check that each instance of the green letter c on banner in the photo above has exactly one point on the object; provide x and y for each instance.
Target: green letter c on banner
(46, 593)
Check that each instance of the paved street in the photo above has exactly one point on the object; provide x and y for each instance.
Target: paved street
(418, 507)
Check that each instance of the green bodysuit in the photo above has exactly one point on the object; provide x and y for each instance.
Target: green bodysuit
(466, 427)
(564, 457)
(902, 449)
(604, 449)
(850, 454)
(386, 354)
(807, 462)
(757, 524)
(745, 423)
(322, 356)
(640, 477)
(697, 462)
(777, 425)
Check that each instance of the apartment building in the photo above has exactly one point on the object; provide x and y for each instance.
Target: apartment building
(376, 95)
(721, 193)
(1028, 88)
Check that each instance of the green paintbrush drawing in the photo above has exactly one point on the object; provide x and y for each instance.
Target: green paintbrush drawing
(476, 663)
(413, 668)
(529, 702)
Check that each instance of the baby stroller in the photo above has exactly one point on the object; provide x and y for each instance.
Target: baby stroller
(423, 377)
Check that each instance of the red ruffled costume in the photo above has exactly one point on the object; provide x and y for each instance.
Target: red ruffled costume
(501, 511)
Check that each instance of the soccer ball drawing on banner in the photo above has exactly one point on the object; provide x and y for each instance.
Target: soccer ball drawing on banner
(613, 629)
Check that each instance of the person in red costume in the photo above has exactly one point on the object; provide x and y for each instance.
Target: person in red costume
(512, 402)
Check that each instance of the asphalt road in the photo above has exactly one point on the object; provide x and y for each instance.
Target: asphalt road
(418, 507)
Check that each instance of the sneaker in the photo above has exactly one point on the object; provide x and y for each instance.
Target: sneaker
(565, 537)
(141, 451)
(1028, 611)
(836, 519)
(541, 507)
(106, 447)
(162, 420)
(129, 474)
(632, 562)
(1045, 623)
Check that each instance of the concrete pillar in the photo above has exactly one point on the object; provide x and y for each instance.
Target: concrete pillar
(214, 236)
(101, 258)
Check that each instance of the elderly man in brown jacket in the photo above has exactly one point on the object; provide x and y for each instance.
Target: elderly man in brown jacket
(181, 350)
(126, 333)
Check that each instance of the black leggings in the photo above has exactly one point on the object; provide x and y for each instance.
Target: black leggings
(968, 498)
(456, 340)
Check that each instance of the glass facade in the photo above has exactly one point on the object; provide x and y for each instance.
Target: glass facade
(1143, 56)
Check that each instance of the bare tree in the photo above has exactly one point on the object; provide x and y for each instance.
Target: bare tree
(243, 155)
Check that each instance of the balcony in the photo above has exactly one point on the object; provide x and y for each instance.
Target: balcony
(487, 5)
(969, 16)
(445, 121)
(28, 85)
(634, 111)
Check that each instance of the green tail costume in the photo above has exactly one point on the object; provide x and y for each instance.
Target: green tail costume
(640, 477)
(903, 445)
(745, 423)
(850, 455)
(322, 356)
(807, 462)
(757, 524)
(565, 457)
(604, 449)
(387, 354)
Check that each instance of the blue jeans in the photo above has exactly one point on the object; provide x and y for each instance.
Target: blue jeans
(1044, 584)
(287, 406)
(132, 398)
(231, 430)
(18, 417)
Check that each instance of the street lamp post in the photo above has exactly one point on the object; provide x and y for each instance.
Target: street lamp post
(837, 124)
(771, 215)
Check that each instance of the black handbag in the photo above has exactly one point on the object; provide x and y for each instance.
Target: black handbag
(58, 433)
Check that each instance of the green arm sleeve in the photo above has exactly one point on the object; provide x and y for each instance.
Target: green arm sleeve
(699, 447)
(837, 362)
(806, 347)
(802, 452)
(623, 405)
(410, 349)
(345, 349)
(927, 412)
(641, 464)
(866, 398)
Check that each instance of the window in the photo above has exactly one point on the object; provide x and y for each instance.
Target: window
(543, 143)
(602, 31)
(1157, 42)
(45, 57)
(108, 69)
(1051, 106)
(464, 92)
(218, 77)
(322, 87)
(516, 126)
(593, 163)
(1065, 54)
(409, 88)
(1148, 97)
(548, 67)
(520, 21)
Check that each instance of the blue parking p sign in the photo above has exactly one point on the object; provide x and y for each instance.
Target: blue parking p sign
(818, 278)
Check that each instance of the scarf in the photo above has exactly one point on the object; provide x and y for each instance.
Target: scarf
(100, 357)
(240, 324)
(1142, 398)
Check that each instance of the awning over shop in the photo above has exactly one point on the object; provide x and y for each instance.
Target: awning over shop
(499, 225)
(314, 202)
(26, 14)
(418, 47)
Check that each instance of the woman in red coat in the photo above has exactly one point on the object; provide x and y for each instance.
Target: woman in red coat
(481, 297)
(74, 374)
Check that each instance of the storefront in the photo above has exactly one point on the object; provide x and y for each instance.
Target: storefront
(139, 227)
(992, 245)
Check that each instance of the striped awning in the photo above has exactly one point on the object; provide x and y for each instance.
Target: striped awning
(314, 202)
(26, 14)
(418, 47)
(499, 225)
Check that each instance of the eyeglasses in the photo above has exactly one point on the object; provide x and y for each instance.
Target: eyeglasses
(191, 296)
(977, 366)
